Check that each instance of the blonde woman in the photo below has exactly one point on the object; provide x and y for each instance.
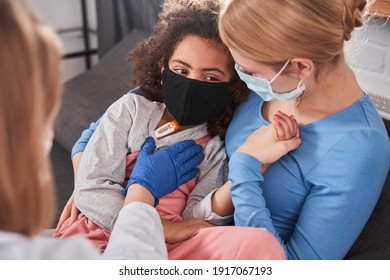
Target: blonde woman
(316, 199)
(29, 99)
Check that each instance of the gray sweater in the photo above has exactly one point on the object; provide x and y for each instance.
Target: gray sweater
(122, 130)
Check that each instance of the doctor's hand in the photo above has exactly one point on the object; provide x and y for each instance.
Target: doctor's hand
(164, 171)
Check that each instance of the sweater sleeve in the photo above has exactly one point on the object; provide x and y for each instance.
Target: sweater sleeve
(344, 187)
(98, 189)
(82, 142)
(211, 177)
(137, 235)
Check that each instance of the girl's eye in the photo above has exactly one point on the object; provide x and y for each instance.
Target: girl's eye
(181, 71)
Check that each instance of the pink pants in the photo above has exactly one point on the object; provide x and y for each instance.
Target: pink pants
(214, 243)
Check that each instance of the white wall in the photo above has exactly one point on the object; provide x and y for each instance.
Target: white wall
(369, 55)
(66, 14)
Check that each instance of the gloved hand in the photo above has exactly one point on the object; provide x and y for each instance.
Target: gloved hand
(163, 172)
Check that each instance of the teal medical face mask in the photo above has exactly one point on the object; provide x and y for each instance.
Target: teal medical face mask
(263, 87)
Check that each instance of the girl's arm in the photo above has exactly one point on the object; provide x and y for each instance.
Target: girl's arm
(102, 167)
(221, 200)
(70, 210)
(212, 175)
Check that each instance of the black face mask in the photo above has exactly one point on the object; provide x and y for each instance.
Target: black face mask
(192, 102)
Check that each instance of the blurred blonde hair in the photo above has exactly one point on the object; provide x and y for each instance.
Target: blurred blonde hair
(272, 31)
(29, 93)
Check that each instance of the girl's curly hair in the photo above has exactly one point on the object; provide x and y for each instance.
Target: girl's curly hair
(178, 19)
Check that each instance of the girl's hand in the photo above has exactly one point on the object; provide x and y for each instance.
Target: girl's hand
(70, 211)
(264, 144)
(286, 126)
(180, 231)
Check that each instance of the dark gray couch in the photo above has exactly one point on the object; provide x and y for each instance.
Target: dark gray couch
(88, 95)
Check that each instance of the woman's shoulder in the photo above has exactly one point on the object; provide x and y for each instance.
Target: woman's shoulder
(365, 126)
(359, 122)
(354, 140)
(372, 117)
(368, 140)
(357, 151)
(354, 137)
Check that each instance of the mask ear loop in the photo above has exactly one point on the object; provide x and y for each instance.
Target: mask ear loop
(300, 83)
(299, 97)
(280, 71)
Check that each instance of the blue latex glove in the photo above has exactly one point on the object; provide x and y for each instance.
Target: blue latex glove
(163, 172)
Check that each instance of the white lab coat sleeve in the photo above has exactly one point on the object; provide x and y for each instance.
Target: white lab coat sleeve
(137, 234)
(14, 246)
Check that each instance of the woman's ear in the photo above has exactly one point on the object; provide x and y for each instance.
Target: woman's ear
(305, 67)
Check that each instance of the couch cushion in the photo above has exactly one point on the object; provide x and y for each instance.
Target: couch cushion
(87, 96)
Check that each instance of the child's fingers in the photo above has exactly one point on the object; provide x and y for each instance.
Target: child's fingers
(74, 214)
(289, 124)
(289, 120)
(66, 212)
(279, 130)
(286, 126)
(297, 134)
(64, 216)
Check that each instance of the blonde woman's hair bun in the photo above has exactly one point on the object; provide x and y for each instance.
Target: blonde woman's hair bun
(353, 16)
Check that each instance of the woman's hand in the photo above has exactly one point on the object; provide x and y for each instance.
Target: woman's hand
(180, 231)
(70, 211)
(269, 143)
